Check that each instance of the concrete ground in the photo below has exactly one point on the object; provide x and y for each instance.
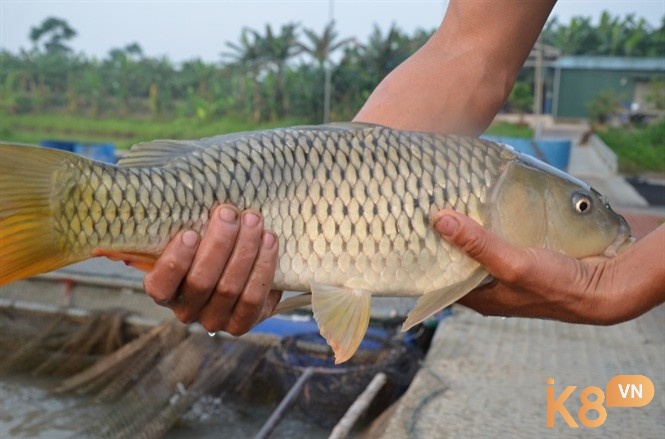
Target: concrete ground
(487, 376)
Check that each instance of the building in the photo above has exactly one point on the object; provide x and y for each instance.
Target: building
(578, 79)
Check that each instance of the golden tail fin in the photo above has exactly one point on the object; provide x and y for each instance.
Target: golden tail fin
(28, 243)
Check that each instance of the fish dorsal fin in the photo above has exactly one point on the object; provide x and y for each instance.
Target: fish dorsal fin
(157, 153)
(434, 301)
(163, 152)
(343, 317)
(351, 126)
(336, 126)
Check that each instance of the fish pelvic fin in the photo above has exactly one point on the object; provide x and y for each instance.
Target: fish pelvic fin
(292, 303)
(342, 314)
(434, 301)
(141, 261)
(28, 244)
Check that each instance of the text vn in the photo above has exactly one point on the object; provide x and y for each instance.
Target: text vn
(621, 391)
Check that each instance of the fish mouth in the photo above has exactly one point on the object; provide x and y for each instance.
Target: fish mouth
(623, 240)
(619, 246)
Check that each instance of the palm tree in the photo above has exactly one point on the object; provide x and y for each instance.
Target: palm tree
(246, 55)
(575, 39)
(320, 48)
(385, 52)
(275, 50)
(121, 68)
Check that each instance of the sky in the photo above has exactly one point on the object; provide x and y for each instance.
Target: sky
(184, 30)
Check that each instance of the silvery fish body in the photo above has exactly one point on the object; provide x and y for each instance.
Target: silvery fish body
(349, 203)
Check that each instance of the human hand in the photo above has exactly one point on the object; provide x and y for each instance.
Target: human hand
(223, 280)
(540, 283)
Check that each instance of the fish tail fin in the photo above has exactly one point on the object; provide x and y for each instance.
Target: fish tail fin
(28, 244)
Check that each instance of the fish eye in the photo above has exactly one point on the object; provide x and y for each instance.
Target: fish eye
(582, 202)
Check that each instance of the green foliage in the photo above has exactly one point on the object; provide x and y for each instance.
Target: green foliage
(639, 149)
(656, 94)
(603, 105)
(266, 75)
(521, 97)
(57, 31)
(612, 36)
(123, 132)
(507, 129)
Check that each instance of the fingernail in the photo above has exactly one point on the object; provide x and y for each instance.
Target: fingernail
(269, 240)
(447, 225)
(228, 215)
(190, 238)
(251, 219)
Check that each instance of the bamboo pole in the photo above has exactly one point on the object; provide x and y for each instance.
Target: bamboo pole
(344, 426)
(276, 416)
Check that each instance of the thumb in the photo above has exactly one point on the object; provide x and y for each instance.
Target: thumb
(489, 250)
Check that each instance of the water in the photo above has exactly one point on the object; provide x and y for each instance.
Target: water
(214, 418)
(29, 410)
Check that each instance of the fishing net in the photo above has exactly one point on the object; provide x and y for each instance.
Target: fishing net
(332, 389)
(146, 379)
(58, 344)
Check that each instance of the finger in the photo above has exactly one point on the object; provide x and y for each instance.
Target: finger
(211, 258)
(162, 282)
(236, 274)
(274, 297)
(486, 248)
(530, 268)
(250, 306)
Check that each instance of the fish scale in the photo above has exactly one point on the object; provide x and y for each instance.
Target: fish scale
(350, 205)
(324, 192)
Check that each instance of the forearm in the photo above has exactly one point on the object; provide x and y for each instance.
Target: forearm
(458, 80)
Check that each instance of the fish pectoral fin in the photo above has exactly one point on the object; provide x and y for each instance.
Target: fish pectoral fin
(342, 314)
(434, 301)
(293, 303)
(142, 261)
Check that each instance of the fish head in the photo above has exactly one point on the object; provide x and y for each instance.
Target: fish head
(537, 205)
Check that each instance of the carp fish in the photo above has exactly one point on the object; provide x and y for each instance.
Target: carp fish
(349, 203)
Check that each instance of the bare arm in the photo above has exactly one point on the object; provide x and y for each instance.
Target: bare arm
(457, 82)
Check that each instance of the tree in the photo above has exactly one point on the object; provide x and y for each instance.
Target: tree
(603, 105)
(385, 52)
(275, 50)
(521, 98)
(575, 39)
(246, 58)
(613, 36)
(56, 31)
(320, 48)
(122, 71)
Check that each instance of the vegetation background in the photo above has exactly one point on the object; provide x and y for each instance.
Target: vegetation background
(268, 77)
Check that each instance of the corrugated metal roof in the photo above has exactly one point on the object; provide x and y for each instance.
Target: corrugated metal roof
(611, 63)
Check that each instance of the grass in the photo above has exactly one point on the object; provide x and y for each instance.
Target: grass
(639, 149)
(123, 132)
(507, 129)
